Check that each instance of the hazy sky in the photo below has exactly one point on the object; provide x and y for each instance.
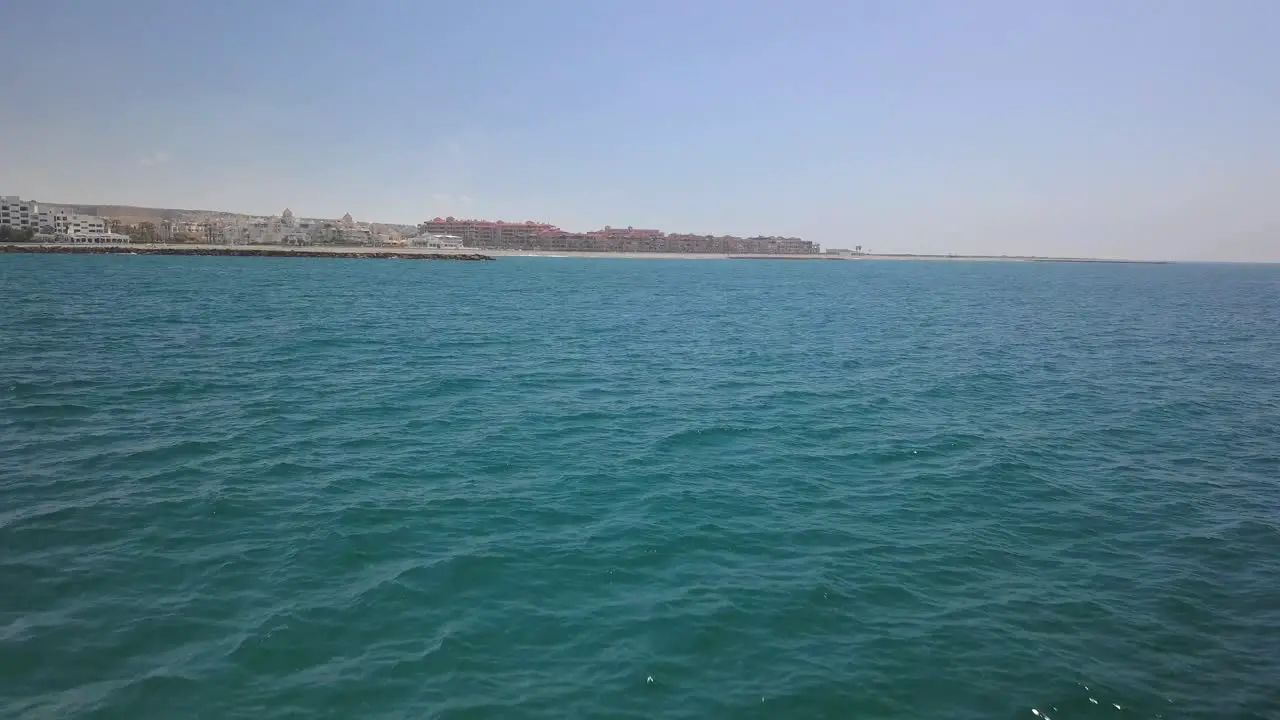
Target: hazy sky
(1119, 128)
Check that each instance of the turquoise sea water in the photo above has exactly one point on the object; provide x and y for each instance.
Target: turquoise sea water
(542, 488)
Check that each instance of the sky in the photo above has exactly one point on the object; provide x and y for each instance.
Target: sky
(1146, 129)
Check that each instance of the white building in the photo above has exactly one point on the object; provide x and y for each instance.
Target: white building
(349, 232)
(436, 242)
(65, 222)
(283, 230)
(28, 215)
(97, 238)
(56, 219)
(208, 230)
(18, 213)
(74, 224)
(387, 237)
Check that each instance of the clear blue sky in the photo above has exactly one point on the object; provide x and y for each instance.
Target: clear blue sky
(1122, 128)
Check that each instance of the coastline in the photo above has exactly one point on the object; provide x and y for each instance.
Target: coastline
(412, 253)
(1012, 258)
(269, 251)
(858, 258)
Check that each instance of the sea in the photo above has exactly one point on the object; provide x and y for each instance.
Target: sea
(609, 488)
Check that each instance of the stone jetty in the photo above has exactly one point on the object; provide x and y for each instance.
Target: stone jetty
(239, 251)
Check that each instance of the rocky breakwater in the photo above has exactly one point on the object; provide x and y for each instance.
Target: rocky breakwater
(237, 252)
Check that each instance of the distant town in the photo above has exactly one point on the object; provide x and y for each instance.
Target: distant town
(30, 221)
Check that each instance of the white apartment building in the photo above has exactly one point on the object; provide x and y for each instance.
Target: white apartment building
(58, 219)
(18, 213)
(69, 223)
(28, 215)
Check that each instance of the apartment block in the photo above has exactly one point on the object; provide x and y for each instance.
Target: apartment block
(18, 213)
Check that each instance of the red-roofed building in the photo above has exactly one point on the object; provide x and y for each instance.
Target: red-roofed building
(530, 235)
(487, 233)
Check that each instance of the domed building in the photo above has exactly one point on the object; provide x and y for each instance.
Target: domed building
(347, 232)
(286, 218)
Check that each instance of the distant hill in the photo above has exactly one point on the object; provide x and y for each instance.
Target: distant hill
(132, 214)
(125, 213)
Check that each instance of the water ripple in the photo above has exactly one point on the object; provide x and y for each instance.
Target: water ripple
(592, 488)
